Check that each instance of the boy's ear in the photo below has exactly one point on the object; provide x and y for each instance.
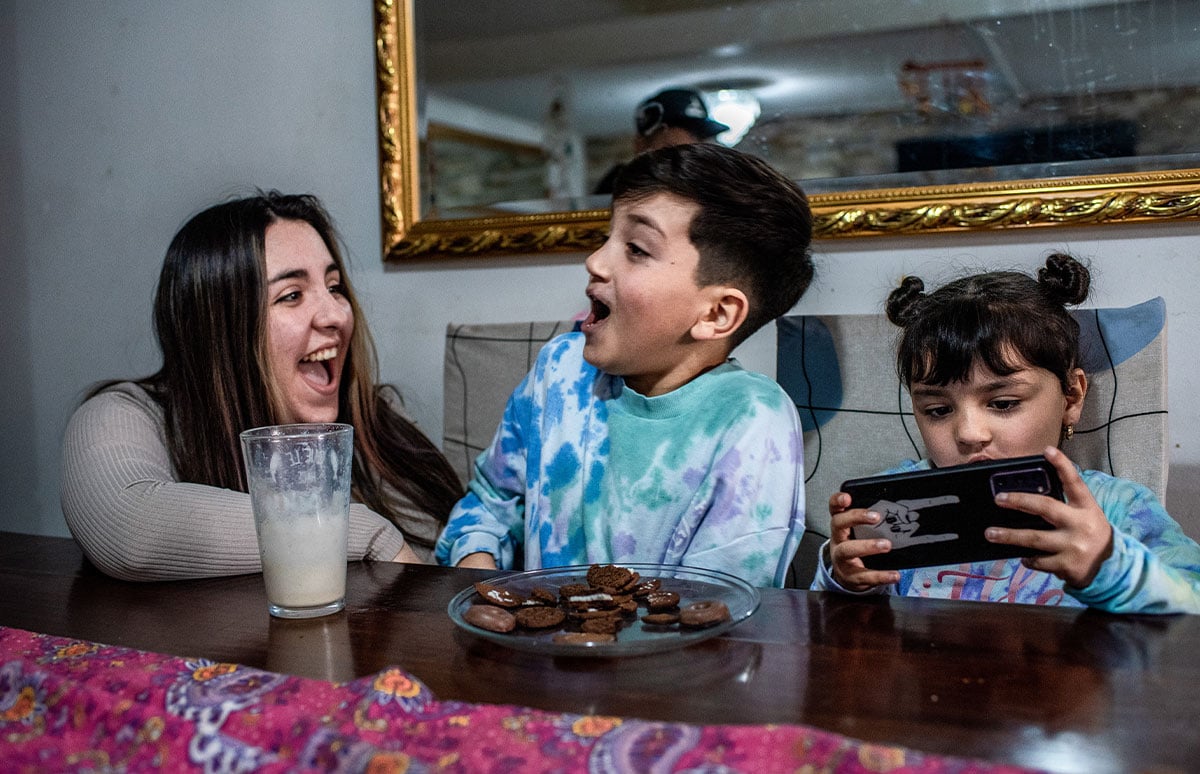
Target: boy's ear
(726, 311)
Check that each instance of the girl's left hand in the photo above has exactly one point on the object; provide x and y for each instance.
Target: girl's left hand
(1081, 539)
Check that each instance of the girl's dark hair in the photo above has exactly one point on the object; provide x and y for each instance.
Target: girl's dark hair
(1003, 319)
(210, 320)
(753, 228)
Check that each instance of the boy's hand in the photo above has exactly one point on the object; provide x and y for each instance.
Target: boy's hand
(1081, 539)
(845, 553)
(480, 560)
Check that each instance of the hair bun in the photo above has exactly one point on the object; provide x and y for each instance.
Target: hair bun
(904, 303)
(1064, 279)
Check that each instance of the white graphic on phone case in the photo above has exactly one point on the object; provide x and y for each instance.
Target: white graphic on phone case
(902, 518)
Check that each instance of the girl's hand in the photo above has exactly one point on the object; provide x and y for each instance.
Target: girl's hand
(1081, 539)
(845, 553)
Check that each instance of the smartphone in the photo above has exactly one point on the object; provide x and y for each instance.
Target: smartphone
(936, 517)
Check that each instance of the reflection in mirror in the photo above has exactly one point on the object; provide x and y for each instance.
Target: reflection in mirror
(520, 109)
(914, 87)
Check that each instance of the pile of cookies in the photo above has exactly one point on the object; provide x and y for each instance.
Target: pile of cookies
(593, 610)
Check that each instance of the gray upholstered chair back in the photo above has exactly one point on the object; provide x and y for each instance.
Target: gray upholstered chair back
(483, 365)
(840, 370)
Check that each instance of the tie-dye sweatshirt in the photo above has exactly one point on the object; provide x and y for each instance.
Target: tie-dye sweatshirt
(585, 470)
(1154, 567)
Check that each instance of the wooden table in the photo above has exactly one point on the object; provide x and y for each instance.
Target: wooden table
(1061, 689)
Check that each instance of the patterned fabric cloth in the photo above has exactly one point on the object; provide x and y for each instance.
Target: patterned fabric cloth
(70, 705)
(1154, 567)
(584, 470)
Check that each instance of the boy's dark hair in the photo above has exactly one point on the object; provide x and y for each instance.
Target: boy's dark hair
(752, 231)
(998, 318)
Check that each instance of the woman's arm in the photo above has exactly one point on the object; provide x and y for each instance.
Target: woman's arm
(136, 522)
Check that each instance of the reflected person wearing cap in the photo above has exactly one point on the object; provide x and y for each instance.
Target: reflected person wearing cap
(670, 117)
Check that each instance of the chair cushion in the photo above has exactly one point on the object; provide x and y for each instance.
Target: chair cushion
(482, 366)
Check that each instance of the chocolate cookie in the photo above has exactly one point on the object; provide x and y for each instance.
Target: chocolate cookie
(499, 596)
(658, 601)
(543, 596)
(574, 590)
(540, 617)
(583, 638)
(584, 613)
(646, 587)
(706, 612)
(598, 600)
(490, 617)
(600, 625)
(609, 576)
(661, 619)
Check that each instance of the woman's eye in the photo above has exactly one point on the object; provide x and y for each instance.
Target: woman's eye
(338, 288)
(288, 298)
(1005, 404)
(635, 250)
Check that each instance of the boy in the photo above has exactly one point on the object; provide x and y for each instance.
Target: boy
(637, 438)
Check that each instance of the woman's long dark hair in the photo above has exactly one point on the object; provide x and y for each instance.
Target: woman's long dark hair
(210, 321)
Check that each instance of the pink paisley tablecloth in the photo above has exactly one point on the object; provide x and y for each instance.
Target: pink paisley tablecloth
(71, 705)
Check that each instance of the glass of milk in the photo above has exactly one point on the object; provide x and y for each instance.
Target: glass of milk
(299, 480)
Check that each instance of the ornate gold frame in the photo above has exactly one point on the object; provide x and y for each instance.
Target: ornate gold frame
(1072, 201)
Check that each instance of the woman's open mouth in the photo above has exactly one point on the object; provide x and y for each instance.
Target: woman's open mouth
(317, 367)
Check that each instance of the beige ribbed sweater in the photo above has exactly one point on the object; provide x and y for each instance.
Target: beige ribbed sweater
(136, 521)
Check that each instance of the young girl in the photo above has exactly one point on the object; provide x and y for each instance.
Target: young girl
(991, 363)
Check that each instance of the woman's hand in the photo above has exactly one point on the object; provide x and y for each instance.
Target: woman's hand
(1081, 539)
(845, 553)
(407, 555)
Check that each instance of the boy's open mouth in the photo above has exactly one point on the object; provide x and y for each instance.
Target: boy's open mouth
(600, 311)
(317, 367)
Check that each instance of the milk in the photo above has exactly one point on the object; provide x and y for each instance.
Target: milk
(304, 559)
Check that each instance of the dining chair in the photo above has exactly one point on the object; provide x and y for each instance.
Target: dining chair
(857, 417)
(483, 364)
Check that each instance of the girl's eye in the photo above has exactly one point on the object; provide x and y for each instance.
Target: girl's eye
(288, 298)
(635, 251)
(1005, 404)
(338, 288)
(937, 412)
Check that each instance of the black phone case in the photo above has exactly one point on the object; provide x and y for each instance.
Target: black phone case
(936, 517)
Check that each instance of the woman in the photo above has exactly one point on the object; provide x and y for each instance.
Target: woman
(258, 326)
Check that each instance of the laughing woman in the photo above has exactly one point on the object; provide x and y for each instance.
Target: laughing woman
(258, 325)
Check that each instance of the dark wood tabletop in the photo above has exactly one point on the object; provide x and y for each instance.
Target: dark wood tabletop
(1066, 690)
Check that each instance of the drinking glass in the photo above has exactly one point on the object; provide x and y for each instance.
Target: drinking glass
(299, 481)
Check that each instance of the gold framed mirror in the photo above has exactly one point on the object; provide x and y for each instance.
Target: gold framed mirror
(1164, 186)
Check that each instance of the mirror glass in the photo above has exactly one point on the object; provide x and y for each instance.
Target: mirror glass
(522, 108)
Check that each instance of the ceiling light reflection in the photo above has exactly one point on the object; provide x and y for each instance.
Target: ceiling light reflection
(736, 108)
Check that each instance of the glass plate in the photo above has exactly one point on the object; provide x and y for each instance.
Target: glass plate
(691, 583)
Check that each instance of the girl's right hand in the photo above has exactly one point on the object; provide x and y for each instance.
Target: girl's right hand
(845, 553)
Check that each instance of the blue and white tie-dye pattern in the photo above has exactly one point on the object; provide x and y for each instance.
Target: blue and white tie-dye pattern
(1154, 567)
(584, 470)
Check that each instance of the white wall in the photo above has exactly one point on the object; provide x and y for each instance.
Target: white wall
(119, 120)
